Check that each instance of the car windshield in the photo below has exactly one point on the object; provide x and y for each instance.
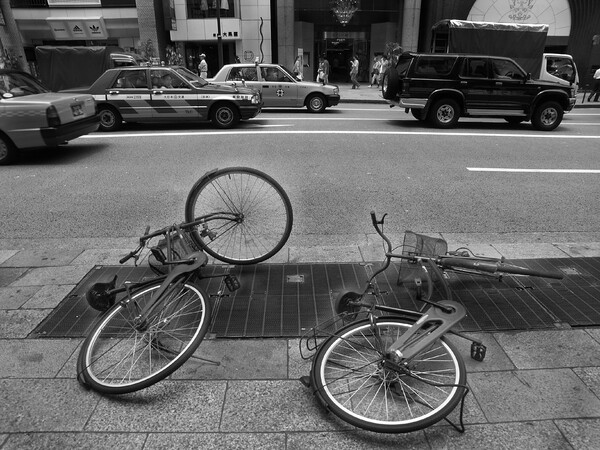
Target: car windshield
(19, 85)
(191, 77)
(288, 72)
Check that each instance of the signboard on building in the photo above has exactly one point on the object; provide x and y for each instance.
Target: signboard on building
(70, 28)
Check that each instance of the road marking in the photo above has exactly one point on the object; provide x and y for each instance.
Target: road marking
(502, 169)
(344, 132)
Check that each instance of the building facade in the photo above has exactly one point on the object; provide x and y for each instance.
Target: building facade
(279, 30)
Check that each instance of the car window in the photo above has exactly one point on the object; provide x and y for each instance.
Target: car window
(474, 68)
(132, 79)
(506, 70)
(19, 85)
(235, 74)
(166, 79)
(403, 65)
(433, 66)
(561, 67)
(249, 73)
(274, 74)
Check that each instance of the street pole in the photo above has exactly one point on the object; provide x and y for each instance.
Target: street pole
(219, 39)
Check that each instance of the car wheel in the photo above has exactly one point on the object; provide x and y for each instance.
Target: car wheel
(547, 116)
(110, 119)
(224, 115)
(418, 114)
(445, 113)
(7, 150)
(315, 103)
(390, 84)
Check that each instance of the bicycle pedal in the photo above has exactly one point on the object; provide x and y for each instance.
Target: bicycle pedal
(232, 283)
(478, 351)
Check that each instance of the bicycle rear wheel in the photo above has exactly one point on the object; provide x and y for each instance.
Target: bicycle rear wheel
(353, 377)
(121, 355)
(253, 215)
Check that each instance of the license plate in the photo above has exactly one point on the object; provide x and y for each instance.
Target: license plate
(77, 110)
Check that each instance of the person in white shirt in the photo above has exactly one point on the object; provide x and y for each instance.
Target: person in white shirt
(596, 87)
(203, 66)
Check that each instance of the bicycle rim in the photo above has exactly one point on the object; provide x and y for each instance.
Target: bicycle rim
(351, 379)
(120, 356)
(259, 215)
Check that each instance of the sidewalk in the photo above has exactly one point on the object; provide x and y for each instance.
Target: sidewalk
(535, 390)
(366, 94)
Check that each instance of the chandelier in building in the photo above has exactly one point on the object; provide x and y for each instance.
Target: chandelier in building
(344, 9)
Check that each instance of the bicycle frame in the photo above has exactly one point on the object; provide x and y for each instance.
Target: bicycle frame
(433, 322)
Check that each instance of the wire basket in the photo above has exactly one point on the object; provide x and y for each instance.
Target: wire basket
(415, 244)
(181, 244)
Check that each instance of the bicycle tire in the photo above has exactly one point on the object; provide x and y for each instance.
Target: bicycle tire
(119, 357)
(349, 378)
(263, 210)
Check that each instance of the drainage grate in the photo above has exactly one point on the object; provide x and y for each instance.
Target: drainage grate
(285, 300)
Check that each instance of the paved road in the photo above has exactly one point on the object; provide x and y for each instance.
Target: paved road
(337, 165)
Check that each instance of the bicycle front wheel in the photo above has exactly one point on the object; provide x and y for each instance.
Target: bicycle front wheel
(124, 353)
(248, 215)
(354, 377)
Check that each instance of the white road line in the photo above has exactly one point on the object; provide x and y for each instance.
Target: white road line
(344, 132)
(502, 169)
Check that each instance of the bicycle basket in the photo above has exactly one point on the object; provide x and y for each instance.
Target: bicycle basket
(415, 244)
(181, 245)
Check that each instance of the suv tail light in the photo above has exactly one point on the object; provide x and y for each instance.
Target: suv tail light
(52, 116)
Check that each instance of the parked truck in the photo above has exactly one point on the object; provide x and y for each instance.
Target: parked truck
(61, 67)
(524, 43)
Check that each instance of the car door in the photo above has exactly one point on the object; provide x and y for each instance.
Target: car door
(173, 98)
(278, 89)
(130, 94)
(510, 91)
(476, 85)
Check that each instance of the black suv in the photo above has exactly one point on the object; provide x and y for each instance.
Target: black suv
(443, 87)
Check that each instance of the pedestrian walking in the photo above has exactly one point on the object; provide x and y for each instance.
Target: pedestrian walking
(385, 64)
(596, 86)
(203, 66)
(323, 70)
(297, 70)
(375, 72)
(354, 73)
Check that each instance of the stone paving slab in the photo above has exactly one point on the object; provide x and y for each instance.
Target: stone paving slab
(582, 434)
(526, 395)
(42, 258)
(96, 441)
(52, 275)
(550, 349)
(527, 435)
(28, 405)
(176, 407)
(37, 358)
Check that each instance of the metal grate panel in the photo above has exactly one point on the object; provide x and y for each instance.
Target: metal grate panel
(285, 300)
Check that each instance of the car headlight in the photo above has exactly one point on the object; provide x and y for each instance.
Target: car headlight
(255, 99)
(336, 90)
